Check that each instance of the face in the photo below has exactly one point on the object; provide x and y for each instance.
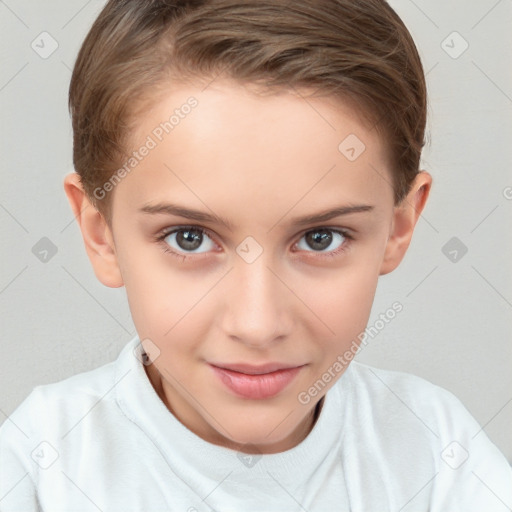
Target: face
(243, 301)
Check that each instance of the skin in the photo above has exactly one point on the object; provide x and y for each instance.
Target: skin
(259, 161)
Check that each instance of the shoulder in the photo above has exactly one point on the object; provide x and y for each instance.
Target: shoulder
(374, 377)
(399, 421)
(398, 403)
(391, 388)
(57, 425)
(53, 407)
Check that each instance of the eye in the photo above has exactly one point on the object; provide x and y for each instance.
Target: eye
(321, 239)
(186, 240)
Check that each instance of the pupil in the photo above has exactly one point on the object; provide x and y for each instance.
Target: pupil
(320, 237)
(189, 239)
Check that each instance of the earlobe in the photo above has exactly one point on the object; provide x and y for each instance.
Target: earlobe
(96, 233)
(405, 216)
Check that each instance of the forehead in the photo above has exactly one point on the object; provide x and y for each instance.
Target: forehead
(239, 148)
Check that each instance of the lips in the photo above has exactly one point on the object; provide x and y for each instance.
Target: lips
(256, 382)
(250, 369)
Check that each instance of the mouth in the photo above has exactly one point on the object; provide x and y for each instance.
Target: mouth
(256, 382)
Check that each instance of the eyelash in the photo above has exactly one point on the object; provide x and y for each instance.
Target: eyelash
(160, 237)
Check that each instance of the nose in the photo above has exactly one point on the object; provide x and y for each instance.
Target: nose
(257, 308)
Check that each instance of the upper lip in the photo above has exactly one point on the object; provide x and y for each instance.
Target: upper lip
(255, 369)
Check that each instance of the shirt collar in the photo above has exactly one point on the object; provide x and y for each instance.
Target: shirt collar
(186, 453)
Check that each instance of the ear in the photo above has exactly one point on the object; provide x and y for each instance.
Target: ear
(98, 239)
(405, 216)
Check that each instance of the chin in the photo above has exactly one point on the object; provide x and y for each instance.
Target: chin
(265, 436)
(257, 444)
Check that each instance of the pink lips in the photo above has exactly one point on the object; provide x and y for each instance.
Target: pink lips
(256, 382)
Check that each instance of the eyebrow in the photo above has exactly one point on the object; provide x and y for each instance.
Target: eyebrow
(188, 213)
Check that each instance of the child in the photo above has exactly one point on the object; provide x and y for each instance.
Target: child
(247, 170)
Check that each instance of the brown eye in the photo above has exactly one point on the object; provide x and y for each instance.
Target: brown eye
(188, 240)
(319, 240)
(322, 240)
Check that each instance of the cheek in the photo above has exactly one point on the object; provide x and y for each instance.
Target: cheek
(174, 307)
(343, 302)
(166, 304)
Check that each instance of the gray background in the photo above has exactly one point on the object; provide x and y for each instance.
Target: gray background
(455, 328)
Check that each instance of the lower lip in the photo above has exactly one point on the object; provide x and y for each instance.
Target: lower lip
(256, 387)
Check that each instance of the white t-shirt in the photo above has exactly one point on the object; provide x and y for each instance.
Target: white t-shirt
(384, 441)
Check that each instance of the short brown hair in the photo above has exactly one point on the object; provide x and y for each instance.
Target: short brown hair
(356, 50)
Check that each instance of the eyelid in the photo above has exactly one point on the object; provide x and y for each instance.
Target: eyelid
(163, 233)
(172, 229)
(344, 231)
(160, 236)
